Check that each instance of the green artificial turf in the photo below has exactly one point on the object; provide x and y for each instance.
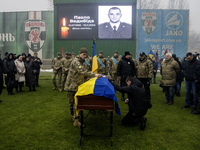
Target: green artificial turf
(41, 120)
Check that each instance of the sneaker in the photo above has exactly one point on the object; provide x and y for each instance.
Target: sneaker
(77, 123)
(54, 88)
(185, 106)
(142, 121)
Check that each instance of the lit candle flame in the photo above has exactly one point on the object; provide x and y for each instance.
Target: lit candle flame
(64, 22)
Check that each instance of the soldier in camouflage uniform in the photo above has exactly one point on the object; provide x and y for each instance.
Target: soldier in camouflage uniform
(102, 64)
(75, 77)
(57, 70)
(88, 63)
(66, 61)
(144, 72)
(113, 67)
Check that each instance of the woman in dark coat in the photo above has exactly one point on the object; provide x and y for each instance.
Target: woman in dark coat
(1, 76)
(30, 76)
(10, 70)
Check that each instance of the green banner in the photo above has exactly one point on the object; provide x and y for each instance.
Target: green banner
(27, 32)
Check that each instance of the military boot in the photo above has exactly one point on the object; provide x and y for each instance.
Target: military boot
(55, 87)
(76, 123)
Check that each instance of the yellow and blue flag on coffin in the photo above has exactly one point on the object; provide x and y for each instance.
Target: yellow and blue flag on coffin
(94, 60)
(151, 54)
(97, 87)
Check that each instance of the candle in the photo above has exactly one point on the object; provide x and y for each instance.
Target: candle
(64, 29)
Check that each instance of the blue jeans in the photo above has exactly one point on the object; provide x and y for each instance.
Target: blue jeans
(169, 93)
(178, 87)
(190, 85)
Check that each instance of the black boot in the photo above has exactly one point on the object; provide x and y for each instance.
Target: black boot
(34, 88)
(30, 88)
(155, 81)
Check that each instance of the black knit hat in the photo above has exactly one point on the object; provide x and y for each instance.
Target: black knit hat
(127, 53)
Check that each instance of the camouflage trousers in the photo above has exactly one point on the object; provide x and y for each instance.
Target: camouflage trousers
(115, 77)
(55, 73)
(64, 78)
(72, 107)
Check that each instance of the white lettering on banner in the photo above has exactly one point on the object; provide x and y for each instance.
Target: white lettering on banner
(7, 37)
(155, 46)
(168, 47)
(174, 33)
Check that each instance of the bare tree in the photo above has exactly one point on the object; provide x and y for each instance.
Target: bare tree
(194, 40)
(50, 3)
(178, 4)
(149, 4)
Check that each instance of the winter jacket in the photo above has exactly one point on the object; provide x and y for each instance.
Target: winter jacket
(144, 68)
(191, 70)
(126, 67)
(30, 76)
(19, 76)
(169, 71)
(37, 64)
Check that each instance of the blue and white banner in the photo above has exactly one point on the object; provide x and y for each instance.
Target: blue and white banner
(161, 30)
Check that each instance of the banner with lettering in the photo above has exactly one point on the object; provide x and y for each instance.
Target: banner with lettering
(162, 30)
(27, 32)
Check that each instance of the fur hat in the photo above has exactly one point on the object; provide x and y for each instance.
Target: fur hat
(101, 52)
(83, 50)
(116, 52)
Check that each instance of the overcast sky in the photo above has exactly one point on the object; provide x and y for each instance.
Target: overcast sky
(37, 5)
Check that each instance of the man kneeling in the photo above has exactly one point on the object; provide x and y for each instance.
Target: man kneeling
(137, 101)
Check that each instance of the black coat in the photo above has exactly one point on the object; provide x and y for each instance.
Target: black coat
(1, 75)
(126, 67)
(10, 69)
(155, 65)
(37, 64)
(191, 70)
(30, 77)
(138, 101)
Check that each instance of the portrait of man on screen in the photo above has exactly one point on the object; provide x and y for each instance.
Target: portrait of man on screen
(115, 28)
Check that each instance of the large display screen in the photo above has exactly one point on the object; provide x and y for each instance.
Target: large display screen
(84, 21)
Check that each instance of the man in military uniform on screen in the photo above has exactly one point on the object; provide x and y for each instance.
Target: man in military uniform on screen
(115, 29)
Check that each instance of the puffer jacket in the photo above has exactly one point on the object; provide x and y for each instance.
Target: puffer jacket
(169, 71)
(144, 68)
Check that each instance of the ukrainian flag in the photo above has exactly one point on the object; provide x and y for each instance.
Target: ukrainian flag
(94, 60)
(151, 54)
(97, 87)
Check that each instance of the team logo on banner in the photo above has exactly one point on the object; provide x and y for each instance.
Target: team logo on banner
(35, 34)
(148, 21)
(174, 20)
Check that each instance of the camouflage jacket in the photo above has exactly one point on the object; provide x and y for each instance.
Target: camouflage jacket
(113, 65)
(76, 74)
(144, 68)
(101, 69)
(57, 64)
(85, 65)
(66, 64)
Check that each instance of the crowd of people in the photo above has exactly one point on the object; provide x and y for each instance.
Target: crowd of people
(128, 76)
(19, 71)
